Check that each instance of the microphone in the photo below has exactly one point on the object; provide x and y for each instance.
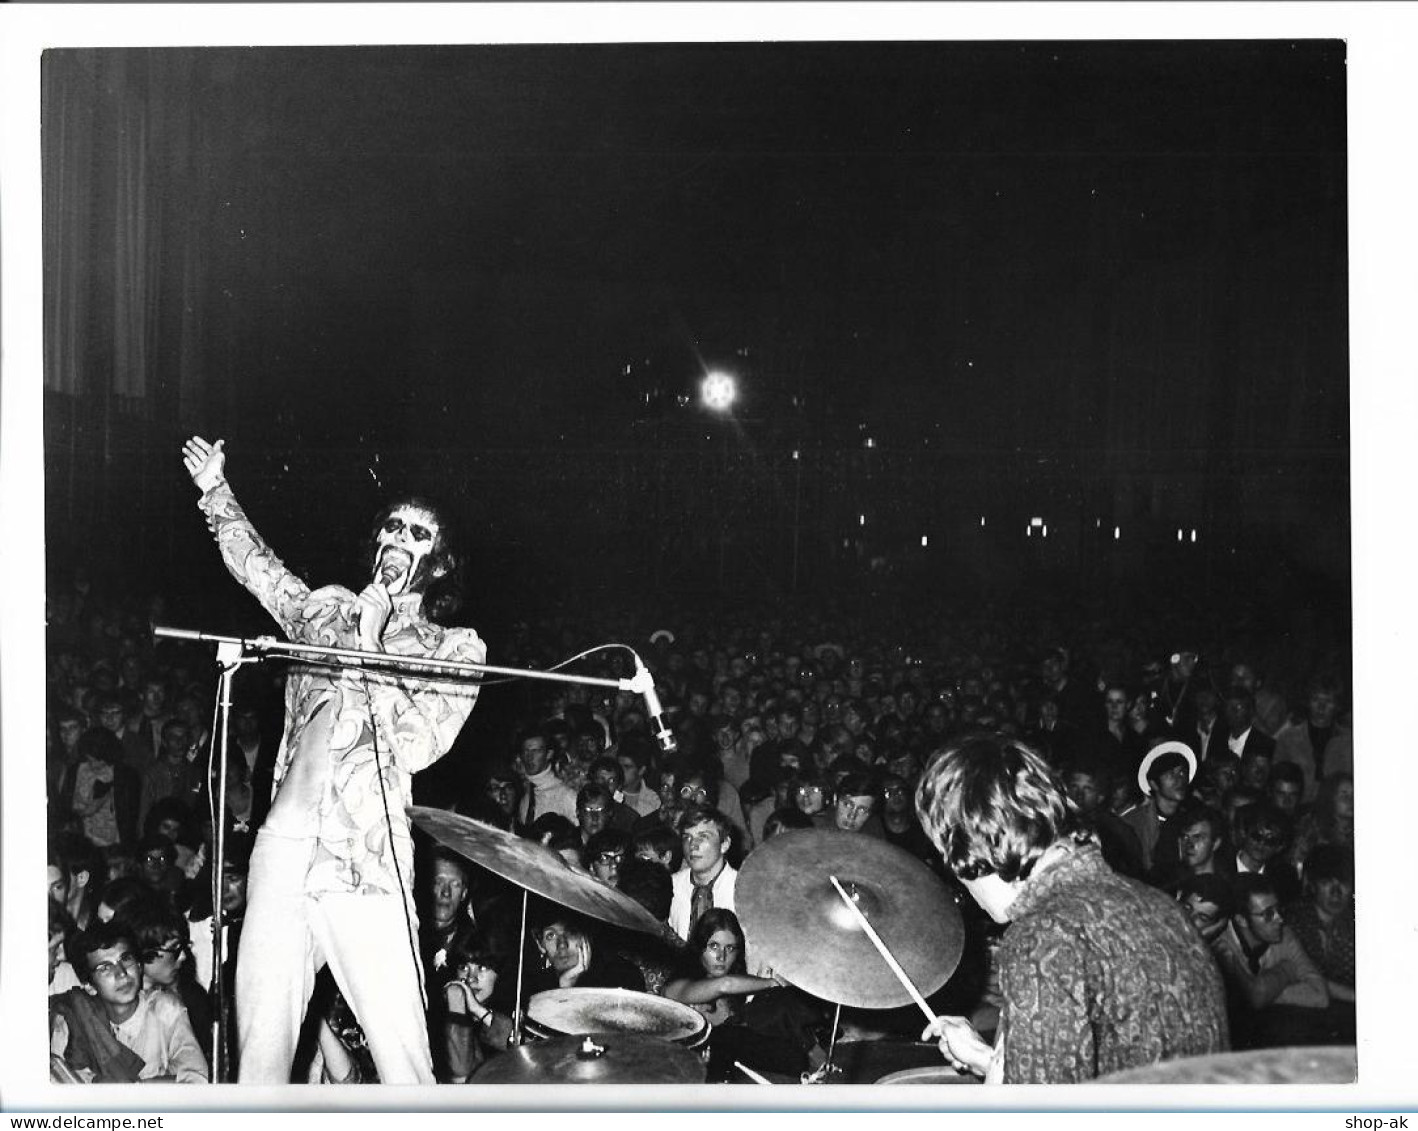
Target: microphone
(389, 573)
(645, 684)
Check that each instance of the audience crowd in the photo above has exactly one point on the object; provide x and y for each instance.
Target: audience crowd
(1212, 763)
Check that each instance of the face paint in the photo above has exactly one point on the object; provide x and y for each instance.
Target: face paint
(402, 549)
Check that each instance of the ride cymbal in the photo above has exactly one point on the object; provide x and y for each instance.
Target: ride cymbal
(796, 923)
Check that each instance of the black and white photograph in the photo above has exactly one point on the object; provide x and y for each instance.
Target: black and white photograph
(780, 553)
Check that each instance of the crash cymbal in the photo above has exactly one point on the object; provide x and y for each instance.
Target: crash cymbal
(594, 1058)
(534, 867)
(1334, 1064)
(796, 923)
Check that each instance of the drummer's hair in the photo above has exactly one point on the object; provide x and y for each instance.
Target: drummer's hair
(992, 805)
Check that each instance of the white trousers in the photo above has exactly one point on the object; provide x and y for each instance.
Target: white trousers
(290, 934)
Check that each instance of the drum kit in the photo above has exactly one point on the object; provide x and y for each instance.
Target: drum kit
(848, 918)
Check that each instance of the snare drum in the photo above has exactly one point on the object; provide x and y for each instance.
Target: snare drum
(561, 1013)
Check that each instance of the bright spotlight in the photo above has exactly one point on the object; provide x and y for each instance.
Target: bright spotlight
(717, 392)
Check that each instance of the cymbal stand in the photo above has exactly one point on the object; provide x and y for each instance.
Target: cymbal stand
(820, 1074)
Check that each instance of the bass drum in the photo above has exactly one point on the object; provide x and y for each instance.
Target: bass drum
(563, 1013)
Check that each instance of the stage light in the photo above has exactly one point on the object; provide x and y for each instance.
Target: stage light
(982, 520)
(717, 392)
(1046, 532)
(1193, 535)
(1036, 522)
(861, 520)
(1179, 534)
(1117, 533)
(925, 540)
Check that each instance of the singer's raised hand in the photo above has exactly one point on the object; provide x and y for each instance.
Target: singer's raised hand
(205, 463)
(372, 607)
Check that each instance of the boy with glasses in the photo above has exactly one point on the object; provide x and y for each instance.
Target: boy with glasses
(109, 1030)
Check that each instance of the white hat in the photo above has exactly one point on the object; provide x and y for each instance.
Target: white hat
(1171, 747)
(663, 634)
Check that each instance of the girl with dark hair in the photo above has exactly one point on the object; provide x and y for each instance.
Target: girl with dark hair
(476, 1021)
(714, 981)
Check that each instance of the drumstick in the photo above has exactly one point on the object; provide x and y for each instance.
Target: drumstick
(752, 1075)
(886, 954)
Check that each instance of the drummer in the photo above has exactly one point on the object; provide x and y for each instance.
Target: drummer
(1098, 973)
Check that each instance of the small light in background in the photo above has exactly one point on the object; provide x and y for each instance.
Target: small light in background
(1046, 532)
(925, 540)
(1193, 535)
(861, 520)
(1179, 534)
(1117, 533)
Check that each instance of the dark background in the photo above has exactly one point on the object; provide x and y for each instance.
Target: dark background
(1099, 283)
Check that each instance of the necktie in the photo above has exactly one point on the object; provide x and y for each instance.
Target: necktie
(701, 900)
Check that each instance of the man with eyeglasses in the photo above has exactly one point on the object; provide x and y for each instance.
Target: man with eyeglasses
(1277, 994)
(707, 878)
(109, 1030)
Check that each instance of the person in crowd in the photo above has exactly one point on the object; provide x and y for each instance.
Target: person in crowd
(61, 930)
(1270, 705)
(1260, 846)
(636, 753)
(899, 824)
(1330, 820)
(502, 793)
(856, 798)
(1208, 736)
(157, 867)
(1165, 776)
(605, 855)
(1220, 773)
(106, 792)
(1089, 784)
(161, 940)
(1209, 903)
(607, 772)
(75, 874)
(596, 811)
(1285, 788)
(110, 1030)
(1278, 996)
(707, 879)
(543, 790)
(332, 871)
(447, 888)
(660, 845)
(1098, 973)
(175, 772)
(569, 954)
(1243, 737)
(1320, 742)
(475, 1019)
(1118, 744)
(1323, 923)
(713, 979)
(1202, 838)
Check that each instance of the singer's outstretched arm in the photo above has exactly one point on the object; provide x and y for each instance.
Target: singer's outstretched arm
(244, 551)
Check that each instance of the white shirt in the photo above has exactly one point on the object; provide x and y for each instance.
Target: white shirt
(552, 794)
(683, 899)
(1237, 742)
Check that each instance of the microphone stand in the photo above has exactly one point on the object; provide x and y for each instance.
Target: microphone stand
(234, 651)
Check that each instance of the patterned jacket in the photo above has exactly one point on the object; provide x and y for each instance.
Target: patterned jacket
(360, 720)
(1101, 973)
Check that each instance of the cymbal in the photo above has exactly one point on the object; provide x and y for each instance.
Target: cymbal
(796, 923)
(594, 1058)
(534, 867)
(1332, 1064)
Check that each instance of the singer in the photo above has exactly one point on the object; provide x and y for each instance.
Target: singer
(331, 873)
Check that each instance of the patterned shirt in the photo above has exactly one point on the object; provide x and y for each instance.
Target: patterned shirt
(359, 720)
(1101, 973)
